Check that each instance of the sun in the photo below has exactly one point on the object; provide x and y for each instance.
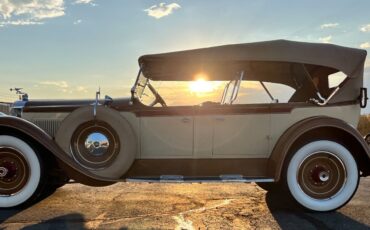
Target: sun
(201, 86)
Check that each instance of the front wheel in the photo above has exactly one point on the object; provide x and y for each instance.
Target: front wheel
(322, 176)
(20, 172)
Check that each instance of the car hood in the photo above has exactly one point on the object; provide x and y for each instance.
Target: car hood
(67, 105)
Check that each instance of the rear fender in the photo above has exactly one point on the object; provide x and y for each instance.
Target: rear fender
(295, 134)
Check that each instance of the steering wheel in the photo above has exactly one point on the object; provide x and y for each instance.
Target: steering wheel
(158, 99)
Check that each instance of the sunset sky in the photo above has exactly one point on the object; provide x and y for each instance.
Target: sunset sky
(68, 48)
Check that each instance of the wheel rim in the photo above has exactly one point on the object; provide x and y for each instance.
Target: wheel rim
(322, 175)
(14, 171)
(95, 145)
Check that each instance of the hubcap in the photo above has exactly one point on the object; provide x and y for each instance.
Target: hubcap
(95, 145)
(14, 171)
(322, 175)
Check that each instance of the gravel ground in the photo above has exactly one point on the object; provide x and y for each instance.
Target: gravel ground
(181, 206)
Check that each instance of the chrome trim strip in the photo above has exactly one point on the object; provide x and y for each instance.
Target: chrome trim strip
(96, 103)
(181, 179)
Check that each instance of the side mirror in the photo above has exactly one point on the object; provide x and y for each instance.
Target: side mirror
(108, 100)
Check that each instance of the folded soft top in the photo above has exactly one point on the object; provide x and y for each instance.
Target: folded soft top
(273, 61)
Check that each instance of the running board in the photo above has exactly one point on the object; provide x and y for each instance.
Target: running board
(181, 179)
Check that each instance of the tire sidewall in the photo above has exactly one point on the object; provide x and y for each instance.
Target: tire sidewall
(34, 164)
(343, 196)
(127, 138)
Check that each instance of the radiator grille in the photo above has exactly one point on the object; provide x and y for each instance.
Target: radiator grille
(50, 126)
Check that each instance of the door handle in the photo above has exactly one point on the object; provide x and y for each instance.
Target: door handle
(185, 120)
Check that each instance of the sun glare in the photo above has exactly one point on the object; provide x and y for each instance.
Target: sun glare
(201, 86)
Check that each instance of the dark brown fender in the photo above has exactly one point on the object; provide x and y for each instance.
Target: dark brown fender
(287, 140)
(73, 170)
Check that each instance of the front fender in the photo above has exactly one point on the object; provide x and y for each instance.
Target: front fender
(286, 141)
(34, 133)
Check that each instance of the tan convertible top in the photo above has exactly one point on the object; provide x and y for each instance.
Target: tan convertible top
(274, 61)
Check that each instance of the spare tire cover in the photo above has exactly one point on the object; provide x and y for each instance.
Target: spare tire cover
(105, 145)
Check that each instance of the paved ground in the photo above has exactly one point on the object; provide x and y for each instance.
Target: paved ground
(181, 206)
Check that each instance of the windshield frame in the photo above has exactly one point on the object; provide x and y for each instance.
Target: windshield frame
(235, 89)
(146, 85)
(137, 84)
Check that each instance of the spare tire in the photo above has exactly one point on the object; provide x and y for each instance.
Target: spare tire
(105, 144)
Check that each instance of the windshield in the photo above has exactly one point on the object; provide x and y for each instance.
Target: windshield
(144, 91)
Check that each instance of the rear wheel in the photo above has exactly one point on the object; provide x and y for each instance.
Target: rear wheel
(21, 172)
(322, 176)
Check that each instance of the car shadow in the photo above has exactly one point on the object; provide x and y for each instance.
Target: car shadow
(290, 215)
(69, 221)
(7, 213)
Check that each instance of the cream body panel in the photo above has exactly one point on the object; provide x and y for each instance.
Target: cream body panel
(241, 136)
(134, 121)
(281, 122)
(166, 137)
(203, 136)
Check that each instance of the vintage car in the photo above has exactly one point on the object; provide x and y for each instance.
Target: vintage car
(307, 145)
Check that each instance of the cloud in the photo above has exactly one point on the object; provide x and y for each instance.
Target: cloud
(83, 1)
(29, 12)
(365, 28)
(329, 25)
(20, 23)
(365, 45)
(62, 85)
(90, 2)
(33, 12)
(326, 39)
(162, 10)
(79, 21)
(81, 89)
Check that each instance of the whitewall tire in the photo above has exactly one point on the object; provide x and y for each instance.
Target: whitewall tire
(322, 176)
(20, 172)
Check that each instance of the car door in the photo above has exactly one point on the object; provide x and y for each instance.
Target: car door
(166, 132)
(238, 131)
